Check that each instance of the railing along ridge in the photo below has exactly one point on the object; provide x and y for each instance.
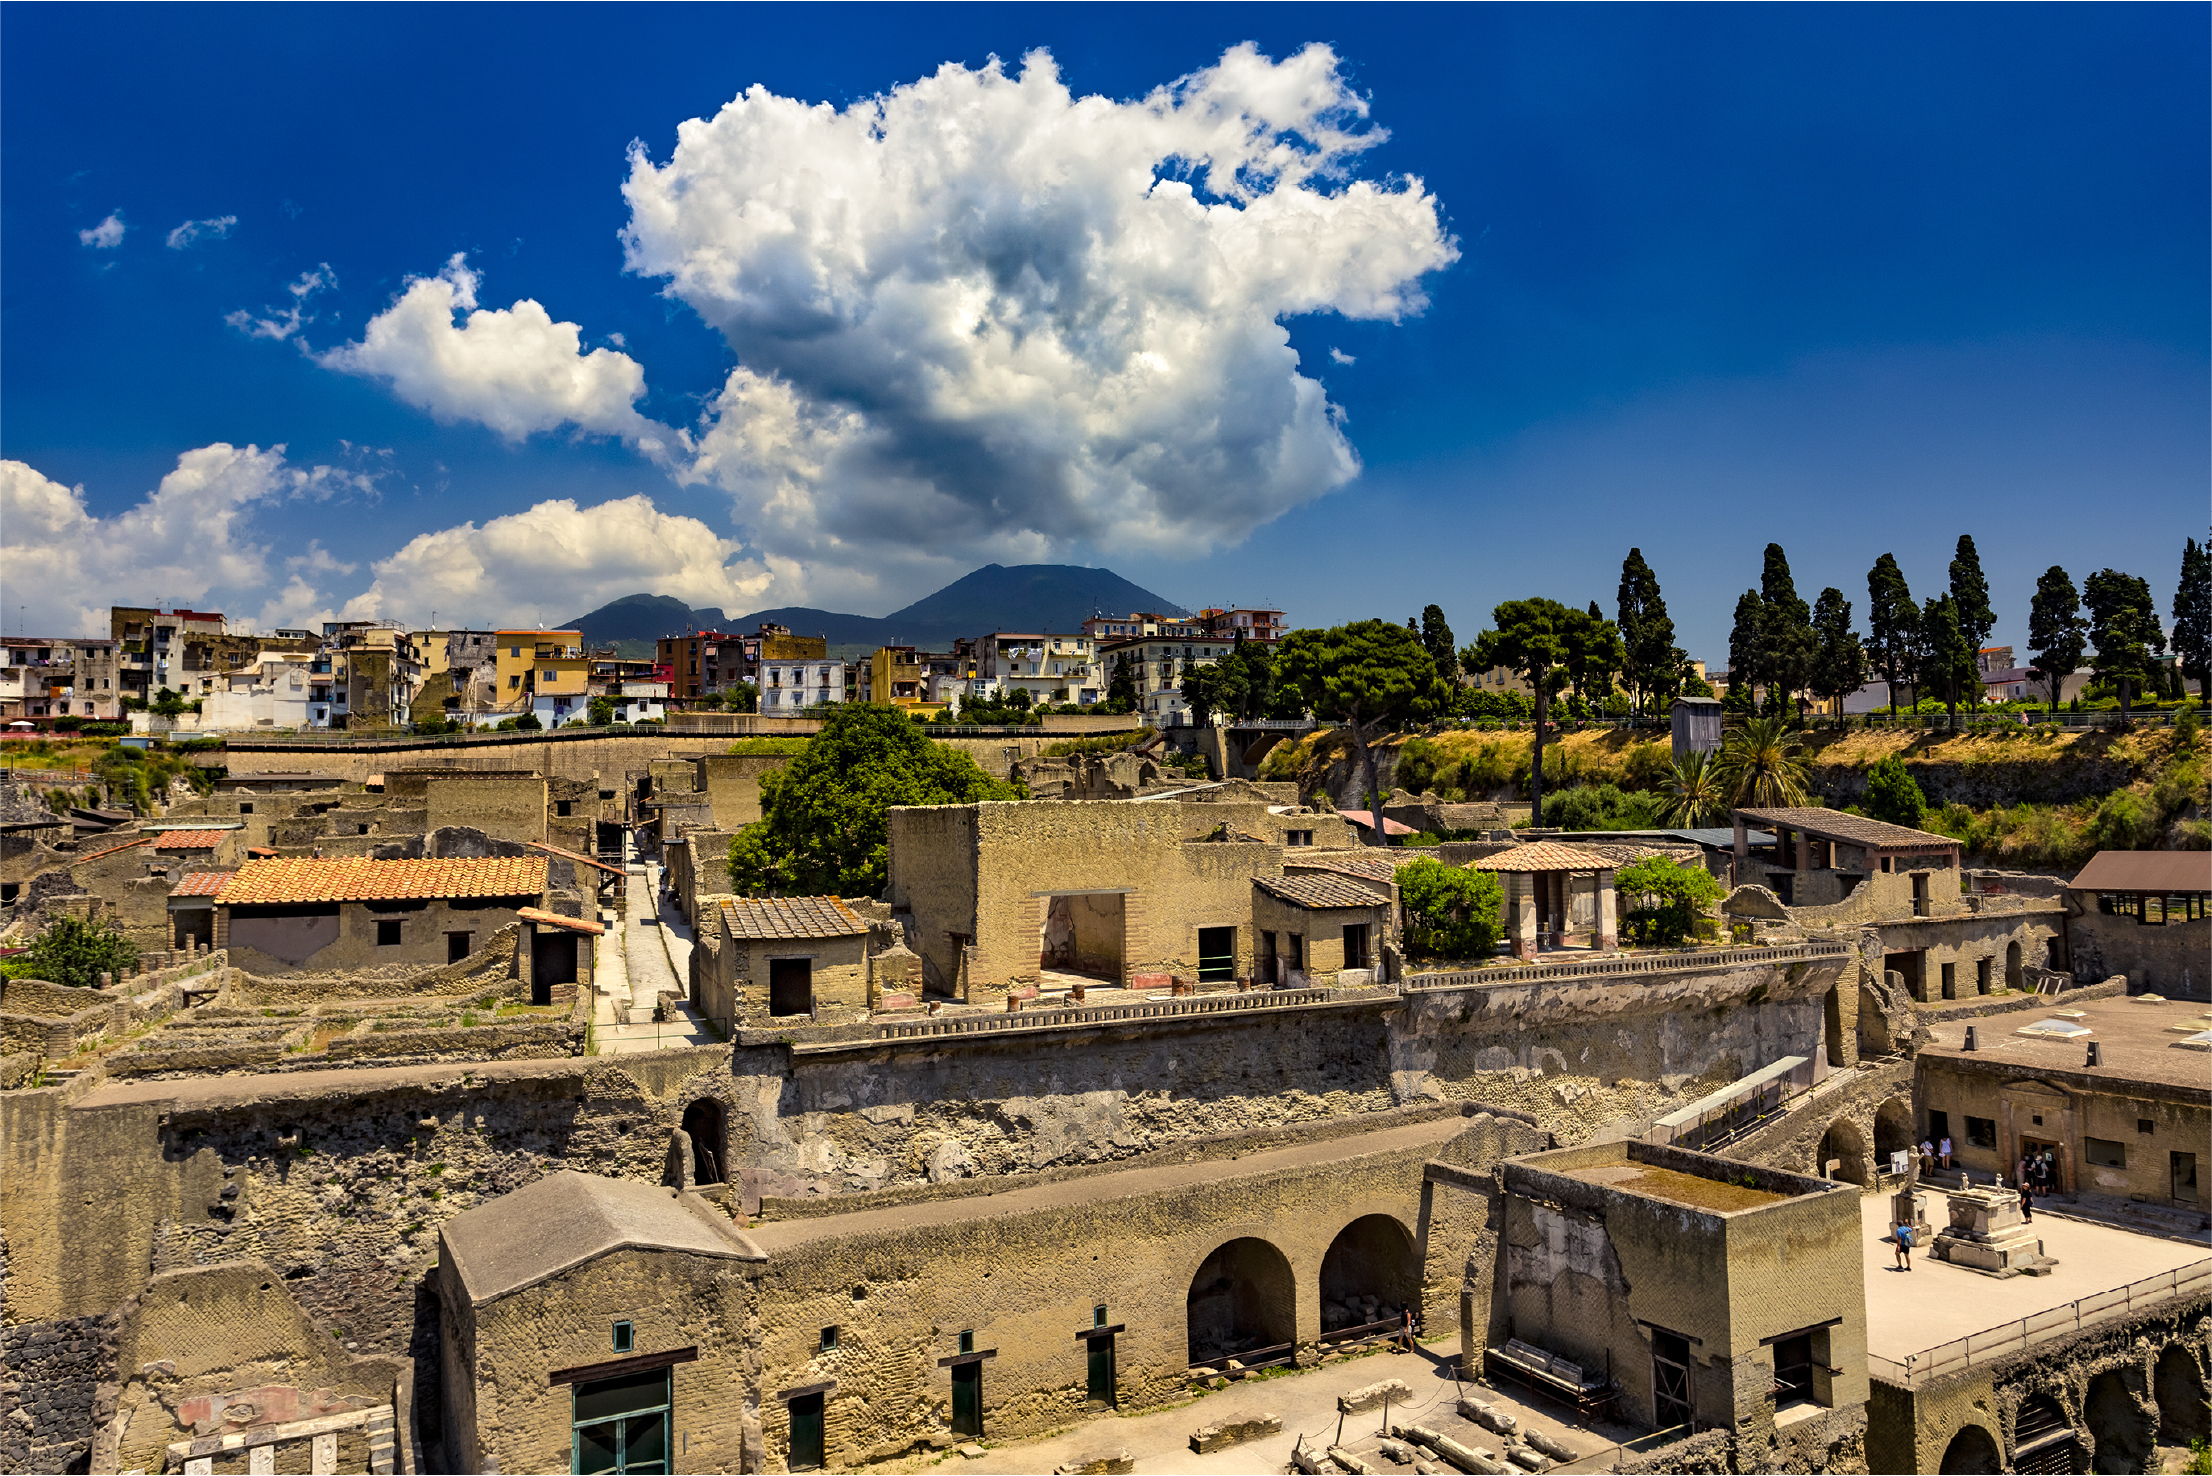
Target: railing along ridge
(1215, 1004)
(1536, 973)
(2041, 1327)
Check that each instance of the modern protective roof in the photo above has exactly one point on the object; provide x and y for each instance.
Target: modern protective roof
(1375, 863)
(575, 856)
(1858, 830)
(2146, 871)
(190, 840)
(200, 884)
(566, 1219)
(555, 919)
(790, 917)
(353, 879)
(1366, 821)
(1317, 890)
(1544, 855)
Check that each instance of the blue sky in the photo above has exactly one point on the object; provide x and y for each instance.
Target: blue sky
(1854, 279)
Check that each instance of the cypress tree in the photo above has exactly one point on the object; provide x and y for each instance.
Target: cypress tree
(1647, 633)
(2123, 626)
(1839, 661)
(1970, 594)
(1746, 651)
(1893, 624)
(2056, 634)
(2193, 617)
(1786, 629)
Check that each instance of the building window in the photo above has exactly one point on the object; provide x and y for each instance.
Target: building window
(1981, 1132)
(967, 1340)
(2104, 1153)
(2145, 1126)
(387, 932)
(829, 1340)
(621, 1424)
(1355, 946)
(561, 808)
(625, 1337)
(1217, 955)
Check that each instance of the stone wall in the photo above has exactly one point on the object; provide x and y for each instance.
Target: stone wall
(2174, 960)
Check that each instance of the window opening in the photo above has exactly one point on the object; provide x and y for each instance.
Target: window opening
(387, 933)
(1670, 1379)
(1217, 955)
(625, 1337)
(1355, 946)
(621, 1424)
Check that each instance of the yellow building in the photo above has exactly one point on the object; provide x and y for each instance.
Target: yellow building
(896, 679)
(542, 671)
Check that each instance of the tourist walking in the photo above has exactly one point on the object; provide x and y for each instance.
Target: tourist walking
(1903, 1237)
(1945, 1151)
(2027, 1204)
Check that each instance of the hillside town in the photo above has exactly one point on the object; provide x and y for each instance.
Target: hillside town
(1171, 1041)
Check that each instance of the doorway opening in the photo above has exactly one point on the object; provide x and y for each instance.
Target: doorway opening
(1217, 955)
(704, 1124)
(1083, 934)
(1671, 1400)
(552, 961)
(791, 986)
(1243, 1301)
(967, 1399)
(807, 1444)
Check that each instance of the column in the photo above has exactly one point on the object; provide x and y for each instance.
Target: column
(1804, 851)
(1520, 912)
(1608, 931)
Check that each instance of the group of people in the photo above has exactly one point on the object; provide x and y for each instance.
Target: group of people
(2037, 1174)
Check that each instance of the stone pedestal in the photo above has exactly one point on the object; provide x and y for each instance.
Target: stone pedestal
(1986, 1233)
(1909, 1206)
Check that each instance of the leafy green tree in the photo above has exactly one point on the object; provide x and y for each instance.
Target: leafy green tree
(1451, 912)
(1946, 656)
(2123, 627)
(1371, 676)
(599, 711)
(1695, 793)
(1785, 633)
(1436, 639)
(1970, 596)
(1531, 639)
(1685, 682)
(1839, 661)
(75, 952)
(1019, 699)
(1121, 690)
(1893, 625)
(1594, 655)
(744, 697)
(1893, 794)
(1662, 901)
(1747, 651)
(1647, 634)
(1198, 691)
(168, 704)
(1603, 807)
(2057, 635)
(1243, 682)
(2193, 617)
(823, 828)
(1762, 764)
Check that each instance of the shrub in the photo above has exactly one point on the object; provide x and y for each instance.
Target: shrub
(75, 952)
(1663, 901)
(1600, 807)
(1893, 794)
(1451, 912)
(2122, 823)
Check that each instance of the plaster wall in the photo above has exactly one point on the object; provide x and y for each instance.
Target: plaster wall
(507, 809)
(343, 935)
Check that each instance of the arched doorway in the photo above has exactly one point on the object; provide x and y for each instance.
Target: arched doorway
(703, 1121)
(1970, 1453)
(2044, 1442)
(1844, 1146)
(2013, 976)
(2119, 1426)
(2178, 1386)
(1892, 1130)
(1242, 1300)
(1372, 1272)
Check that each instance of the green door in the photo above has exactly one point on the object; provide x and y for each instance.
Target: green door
(967, 1400)
(1102, 1371)
(622, 1424)
(806, 1433)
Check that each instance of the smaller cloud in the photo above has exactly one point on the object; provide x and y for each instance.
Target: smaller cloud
(319, 560)
(192, 232)
(107, 235)
(281, 323)
(1339, 356)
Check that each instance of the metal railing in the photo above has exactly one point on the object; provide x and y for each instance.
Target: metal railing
(1162, 1009)
(1703, 958)
(2008, 1338)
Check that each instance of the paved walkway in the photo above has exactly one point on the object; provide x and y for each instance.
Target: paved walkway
(1159, 1441)
(655, 951)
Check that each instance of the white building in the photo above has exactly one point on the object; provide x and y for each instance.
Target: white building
(272, 693)
(1159, 666)
(791, 685)
(1051, 668)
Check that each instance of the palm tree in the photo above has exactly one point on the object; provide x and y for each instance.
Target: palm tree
(1695, 795)
(1762, 764)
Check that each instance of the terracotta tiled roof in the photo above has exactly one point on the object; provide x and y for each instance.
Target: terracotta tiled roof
(189, 840)
(555, 919)
(352, 879)
(200, 884)
(790, 917)
(1544, 855)
(1319, 890)
(1857, 830)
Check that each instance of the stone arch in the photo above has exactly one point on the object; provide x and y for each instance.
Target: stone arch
(706, 1125)
(1972, 1451)
(2013, 976)
(2043, 1438)
(2120, 1429)
(1242, 1297)
(1845, 1146)
(1372, 1271)
(2178, 1386)
(1892, 1129)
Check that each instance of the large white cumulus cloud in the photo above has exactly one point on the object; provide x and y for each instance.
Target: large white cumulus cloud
(189, 541)
(514, 369)
(981, 312)
(556, 560)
